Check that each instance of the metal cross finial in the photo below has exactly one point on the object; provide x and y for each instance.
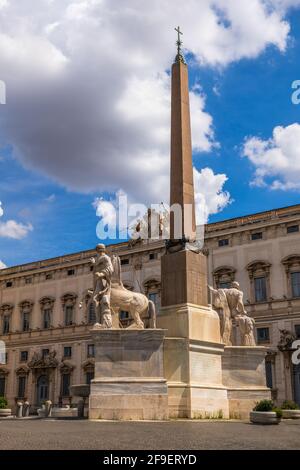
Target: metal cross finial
(179, 57)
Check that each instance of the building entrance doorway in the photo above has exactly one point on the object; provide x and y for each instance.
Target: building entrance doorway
(297, 383)
(42, 389)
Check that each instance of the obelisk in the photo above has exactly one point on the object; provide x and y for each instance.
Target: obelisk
(193, 347)
(184, 278)
(182, 184)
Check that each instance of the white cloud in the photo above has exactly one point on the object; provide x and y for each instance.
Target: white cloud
(50, 198)
(2, 265)
(88, 97)
(277, 160)
(13, 229)
(210, 197)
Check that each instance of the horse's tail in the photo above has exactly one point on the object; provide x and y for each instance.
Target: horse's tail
(152, 314)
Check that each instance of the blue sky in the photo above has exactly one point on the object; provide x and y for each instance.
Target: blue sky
(246, 97)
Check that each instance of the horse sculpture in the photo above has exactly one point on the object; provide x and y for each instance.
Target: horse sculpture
(135, 303)
(122, 299)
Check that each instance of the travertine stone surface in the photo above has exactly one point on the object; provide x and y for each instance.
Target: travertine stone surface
(193, 362)
(129, 381)
(245, 378)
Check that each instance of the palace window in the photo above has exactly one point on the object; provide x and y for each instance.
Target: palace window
(67, 351)
(295, 283)
(89, 377)
(152, 290)
(152, 256)
(45, 353)
(223, 277)
(297, 331)
(259, 274)
(68, 304)
(154, 297)
(256, 236)
(46, 318)
(92, 313)
(263, 335)
(71, 272)
(292, 229)
(223, 242)
(69, 315)
(124, 315)
(25, 310)
(23, 356)
(46, 304)
(9, 284)
(65, 385)
(25, 321)
(6, 324)
(21, 386)
(260, 289)
(2, 386)
(124, 261)
(90, 350)
(269, 374)
(49, 276)
(292, 268)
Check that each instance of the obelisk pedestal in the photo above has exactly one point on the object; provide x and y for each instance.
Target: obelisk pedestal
(192, 348)
(129, 381)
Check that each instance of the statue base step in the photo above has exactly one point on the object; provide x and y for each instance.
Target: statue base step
(244, 377)
(129, 382)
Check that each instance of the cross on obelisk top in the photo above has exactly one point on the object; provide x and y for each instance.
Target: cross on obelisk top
(179, 56)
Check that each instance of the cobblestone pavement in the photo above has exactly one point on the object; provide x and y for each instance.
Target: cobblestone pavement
(74, 434)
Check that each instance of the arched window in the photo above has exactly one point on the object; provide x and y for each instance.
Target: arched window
(259, 275)
(223, 277)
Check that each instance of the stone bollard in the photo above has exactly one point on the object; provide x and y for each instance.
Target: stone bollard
(26, 409)
(48, 408)
(19, 413)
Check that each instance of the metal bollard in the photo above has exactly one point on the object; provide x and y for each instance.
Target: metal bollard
(26, 409)
(19, 413)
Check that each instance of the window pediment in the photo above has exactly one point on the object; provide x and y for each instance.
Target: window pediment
(6, 309)
(23, 370)
(26, 306)
(46, 302)
(291, 261)
(69, 299)
(259, 268)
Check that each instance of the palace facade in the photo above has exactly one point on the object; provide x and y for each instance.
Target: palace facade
(45, 318)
